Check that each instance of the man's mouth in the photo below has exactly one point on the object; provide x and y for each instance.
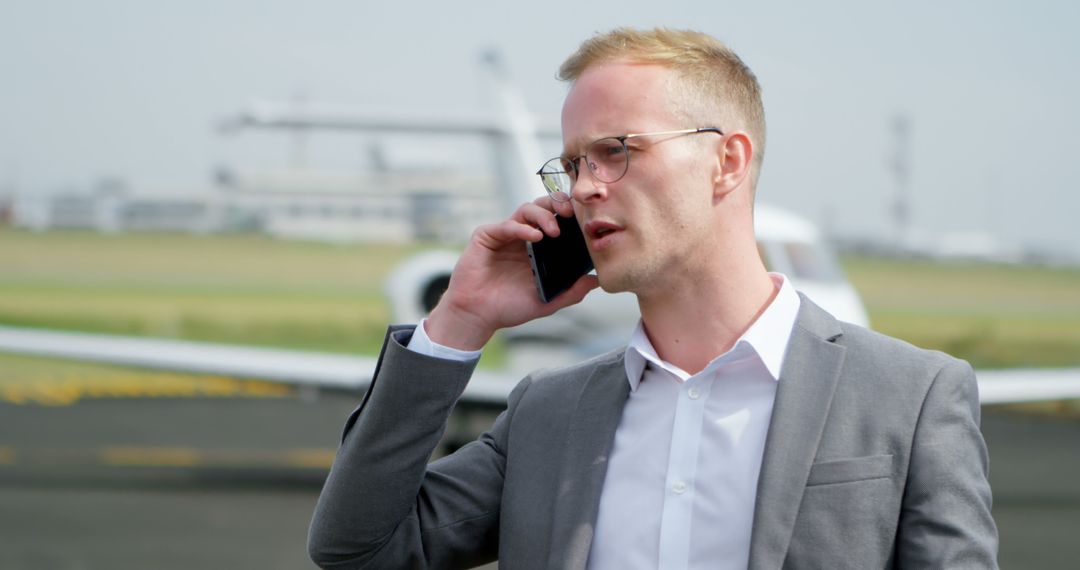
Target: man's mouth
(598, 230)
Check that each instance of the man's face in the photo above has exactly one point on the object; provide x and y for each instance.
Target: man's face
(651, 228)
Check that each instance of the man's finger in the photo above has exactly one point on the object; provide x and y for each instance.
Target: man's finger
(576, 292)
(539, 216)
(508, 231)
(564, 209)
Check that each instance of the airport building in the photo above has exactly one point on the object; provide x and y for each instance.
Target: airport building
(339, 206)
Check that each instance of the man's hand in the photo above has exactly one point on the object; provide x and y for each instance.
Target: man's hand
(492, 285)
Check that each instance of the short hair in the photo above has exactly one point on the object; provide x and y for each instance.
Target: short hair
(718, 83)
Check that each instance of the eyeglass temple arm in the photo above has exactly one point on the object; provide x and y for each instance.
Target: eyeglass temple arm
(678, 132)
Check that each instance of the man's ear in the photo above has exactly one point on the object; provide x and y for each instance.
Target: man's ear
(734, 157)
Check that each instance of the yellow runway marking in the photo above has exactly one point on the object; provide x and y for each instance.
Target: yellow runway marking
(310, 457)
(64, 390)
(151, 456)
(177, 457)
(188, 457)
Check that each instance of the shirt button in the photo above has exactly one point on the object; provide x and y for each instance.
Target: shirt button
(679, 487)
(694, 393)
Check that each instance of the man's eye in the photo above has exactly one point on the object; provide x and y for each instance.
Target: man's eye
(608, 149)
(570, 166)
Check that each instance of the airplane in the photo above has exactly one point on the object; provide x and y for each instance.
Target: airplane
(788, 243)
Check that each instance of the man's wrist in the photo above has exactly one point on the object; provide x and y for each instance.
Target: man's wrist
(445, 328)
(421, 343)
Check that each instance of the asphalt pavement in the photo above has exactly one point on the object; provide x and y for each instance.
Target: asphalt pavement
(231, 482)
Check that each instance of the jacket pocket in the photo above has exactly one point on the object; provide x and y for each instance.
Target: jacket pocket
(850, 470)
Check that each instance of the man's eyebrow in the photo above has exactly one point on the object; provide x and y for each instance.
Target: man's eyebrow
(582, 143)
(567, 154)
(566, 150)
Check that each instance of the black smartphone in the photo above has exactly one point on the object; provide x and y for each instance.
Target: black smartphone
(558, 262)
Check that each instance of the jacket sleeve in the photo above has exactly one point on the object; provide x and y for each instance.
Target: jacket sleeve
(383, 505)
(945, 520)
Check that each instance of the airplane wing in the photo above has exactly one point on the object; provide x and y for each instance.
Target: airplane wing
(270, 115)
(324, 370)
(284, 116)
(513, 130)
(1010, 386)
(295, 367)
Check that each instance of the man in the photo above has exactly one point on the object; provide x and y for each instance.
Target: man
(742, 427)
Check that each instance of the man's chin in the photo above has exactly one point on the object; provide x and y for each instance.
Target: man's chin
(608, 289)
(613, 282)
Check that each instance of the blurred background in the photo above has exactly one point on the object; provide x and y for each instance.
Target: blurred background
(213, 172)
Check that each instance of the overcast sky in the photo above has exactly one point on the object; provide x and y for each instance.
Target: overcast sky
(133, 89)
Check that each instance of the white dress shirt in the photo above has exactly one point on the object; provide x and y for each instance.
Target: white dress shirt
(682, 475)
(683, 471)
(422, 343)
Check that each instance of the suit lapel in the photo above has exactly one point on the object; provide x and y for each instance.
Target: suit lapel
(590, 434)
(804, 393)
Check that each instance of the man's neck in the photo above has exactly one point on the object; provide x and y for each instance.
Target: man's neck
(691, 323)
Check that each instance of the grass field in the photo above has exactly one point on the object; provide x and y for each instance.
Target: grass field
(239, 289)
(256, 290)
(995, 316)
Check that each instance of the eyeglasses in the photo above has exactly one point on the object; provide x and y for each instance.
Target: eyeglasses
(608, 160)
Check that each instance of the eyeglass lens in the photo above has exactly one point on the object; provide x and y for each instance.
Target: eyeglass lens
(607, 159)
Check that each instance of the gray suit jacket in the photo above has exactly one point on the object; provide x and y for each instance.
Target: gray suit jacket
(873, 459)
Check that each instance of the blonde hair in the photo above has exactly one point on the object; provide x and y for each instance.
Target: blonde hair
(716, 84)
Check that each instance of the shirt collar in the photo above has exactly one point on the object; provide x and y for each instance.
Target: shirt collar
(768, 336)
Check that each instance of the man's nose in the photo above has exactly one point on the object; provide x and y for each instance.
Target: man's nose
(587, 187)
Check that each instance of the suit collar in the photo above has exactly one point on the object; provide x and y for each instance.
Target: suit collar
(804, 394)
(597, 410)
(767, 337)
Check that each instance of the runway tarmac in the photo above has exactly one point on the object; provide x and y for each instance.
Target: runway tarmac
(230, 482)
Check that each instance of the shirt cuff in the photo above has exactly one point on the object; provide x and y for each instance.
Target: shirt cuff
(422, 344)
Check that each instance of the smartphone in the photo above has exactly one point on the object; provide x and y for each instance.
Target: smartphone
(558, 262)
